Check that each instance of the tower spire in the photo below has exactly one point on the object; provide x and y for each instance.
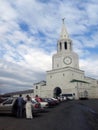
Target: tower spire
(64, 34)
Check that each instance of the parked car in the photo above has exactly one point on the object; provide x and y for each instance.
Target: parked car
(9, 106)
(42, 103)
(36, 107)
(68, 96)
(57, 101)
(62, 98)
(50, 101)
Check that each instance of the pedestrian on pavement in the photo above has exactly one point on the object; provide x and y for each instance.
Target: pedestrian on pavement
(20, 104)
(29, 108)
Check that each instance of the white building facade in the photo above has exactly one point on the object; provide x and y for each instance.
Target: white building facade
(65, 76)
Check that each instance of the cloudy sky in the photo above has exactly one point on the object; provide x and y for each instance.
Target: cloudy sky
(29, 30)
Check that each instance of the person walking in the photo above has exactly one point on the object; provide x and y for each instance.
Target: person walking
(20, 104)
(29, 107)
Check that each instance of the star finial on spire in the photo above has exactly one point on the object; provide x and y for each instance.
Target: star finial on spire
(63, 20)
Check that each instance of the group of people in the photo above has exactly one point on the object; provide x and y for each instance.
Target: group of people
(21, 103)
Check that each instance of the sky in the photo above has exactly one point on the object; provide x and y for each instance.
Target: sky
(29, 30)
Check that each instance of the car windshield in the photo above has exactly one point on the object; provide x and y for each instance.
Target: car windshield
(9, 101)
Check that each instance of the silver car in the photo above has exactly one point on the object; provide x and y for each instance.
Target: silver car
(9, 106)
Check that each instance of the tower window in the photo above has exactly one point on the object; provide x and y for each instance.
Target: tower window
(60, 46)
(36, 87)
(65, 45)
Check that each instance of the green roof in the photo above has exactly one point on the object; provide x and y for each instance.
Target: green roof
(75, 80)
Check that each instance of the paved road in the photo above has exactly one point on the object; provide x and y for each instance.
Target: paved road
(70, 115)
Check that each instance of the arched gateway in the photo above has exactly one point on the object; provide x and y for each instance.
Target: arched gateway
(57, 91)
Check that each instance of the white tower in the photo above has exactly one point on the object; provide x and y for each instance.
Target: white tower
(65, 76)
(65, 56)
(65, 66)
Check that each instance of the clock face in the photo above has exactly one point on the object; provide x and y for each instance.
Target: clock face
(67, 60)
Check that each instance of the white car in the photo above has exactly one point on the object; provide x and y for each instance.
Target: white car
(62, 98)
(68, 96)
(42, 103)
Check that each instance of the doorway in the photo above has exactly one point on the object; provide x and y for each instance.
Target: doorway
(56, 92)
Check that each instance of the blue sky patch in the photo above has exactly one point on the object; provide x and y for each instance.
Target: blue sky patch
(24, 26)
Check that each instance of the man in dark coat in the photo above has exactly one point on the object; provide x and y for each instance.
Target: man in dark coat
(20, 105)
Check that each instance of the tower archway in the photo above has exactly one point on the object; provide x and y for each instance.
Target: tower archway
(57, 91)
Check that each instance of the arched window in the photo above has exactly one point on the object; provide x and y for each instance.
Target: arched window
(60, 46)
(36, 87)
(65, 45)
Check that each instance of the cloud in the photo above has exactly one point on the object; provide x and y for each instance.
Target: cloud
(29, 31)
(90, 65)
(14, 77)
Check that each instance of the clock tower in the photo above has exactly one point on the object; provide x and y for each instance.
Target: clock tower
(65, 76)
(65, 56)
